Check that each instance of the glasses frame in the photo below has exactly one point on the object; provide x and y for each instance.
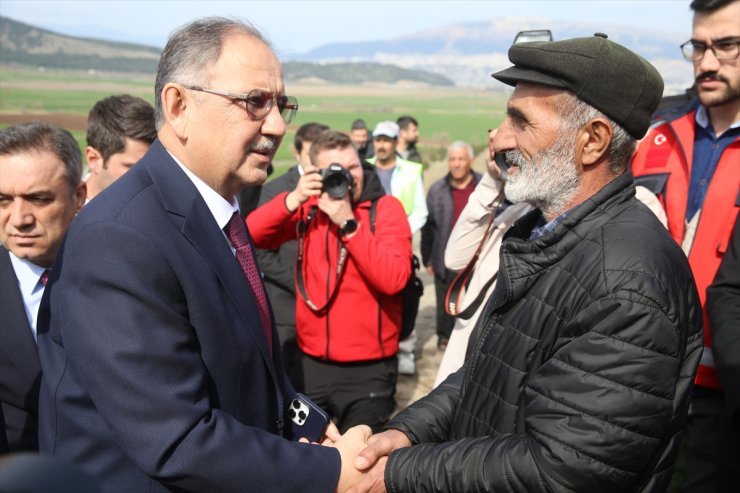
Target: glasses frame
(697, 54)
(287, 111)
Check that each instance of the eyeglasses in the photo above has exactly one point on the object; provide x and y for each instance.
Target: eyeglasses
(724, 50)
(258, 103)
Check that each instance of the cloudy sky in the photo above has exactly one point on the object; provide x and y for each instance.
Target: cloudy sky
(298, 26)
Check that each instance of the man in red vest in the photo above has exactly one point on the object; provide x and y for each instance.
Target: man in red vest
(691, 160)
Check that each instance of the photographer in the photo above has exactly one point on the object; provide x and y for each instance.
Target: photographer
(350, 270)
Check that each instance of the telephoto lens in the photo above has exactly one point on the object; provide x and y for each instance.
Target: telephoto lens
(337, 181)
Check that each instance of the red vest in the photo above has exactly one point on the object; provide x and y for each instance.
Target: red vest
(662, 163)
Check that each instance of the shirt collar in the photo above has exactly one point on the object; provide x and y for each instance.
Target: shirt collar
(220, 208)
(702, 119)
(28, 274)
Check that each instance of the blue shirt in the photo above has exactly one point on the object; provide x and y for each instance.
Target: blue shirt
(708, 148)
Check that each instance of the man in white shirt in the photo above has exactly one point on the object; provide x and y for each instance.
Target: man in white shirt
(40, 193)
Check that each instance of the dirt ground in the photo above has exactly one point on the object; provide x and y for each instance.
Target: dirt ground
(64, 120)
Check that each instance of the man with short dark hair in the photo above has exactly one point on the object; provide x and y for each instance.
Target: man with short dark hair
(580, 373)
(690, 161)
(446, 200)
(354, 258)
(161, 370)
(408, 137)
(120, 130)
(360, 136)
(277, 265)
(41, 190)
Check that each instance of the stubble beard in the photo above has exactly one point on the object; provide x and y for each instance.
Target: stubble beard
(548, 181)
(726, 95)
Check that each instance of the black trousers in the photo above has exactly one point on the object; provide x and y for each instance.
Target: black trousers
(711, 448)
(353, 393)
(445, 322)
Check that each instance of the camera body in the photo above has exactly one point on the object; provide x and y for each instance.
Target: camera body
(336, 181)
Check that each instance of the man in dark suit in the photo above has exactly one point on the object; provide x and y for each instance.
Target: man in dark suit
(41, 190)
(160, 365)
(278, 265)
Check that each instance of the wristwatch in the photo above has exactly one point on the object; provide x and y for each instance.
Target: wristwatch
(348, 227)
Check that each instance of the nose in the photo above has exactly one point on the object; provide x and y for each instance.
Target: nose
(504, 139)
(21, 215)
(273, 124)
(709, 62)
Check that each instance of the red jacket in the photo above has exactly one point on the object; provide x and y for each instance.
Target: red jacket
(364, 319)
(662, 163)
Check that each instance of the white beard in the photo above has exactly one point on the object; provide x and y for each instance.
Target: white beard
(548, 181)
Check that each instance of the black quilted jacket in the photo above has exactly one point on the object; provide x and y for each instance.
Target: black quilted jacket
(582, 370)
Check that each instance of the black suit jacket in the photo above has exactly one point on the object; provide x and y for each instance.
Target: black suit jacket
(278, 266)
(157, 374)
(20, 372)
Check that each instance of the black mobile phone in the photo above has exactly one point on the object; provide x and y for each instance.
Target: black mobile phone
(306, 419)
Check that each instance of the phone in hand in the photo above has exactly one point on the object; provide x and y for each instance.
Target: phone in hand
(306, 419)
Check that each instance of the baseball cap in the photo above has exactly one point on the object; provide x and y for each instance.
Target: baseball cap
(606, 75)
(386, 128)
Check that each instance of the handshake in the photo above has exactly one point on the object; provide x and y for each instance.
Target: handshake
(364, 456)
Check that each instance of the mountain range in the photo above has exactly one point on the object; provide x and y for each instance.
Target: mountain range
(464, 54)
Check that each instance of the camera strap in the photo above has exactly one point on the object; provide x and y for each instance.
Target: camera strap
(302, 228)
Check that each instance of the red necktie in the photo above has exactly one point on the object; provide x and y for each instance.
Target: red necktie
(237, 234)
(44, 277)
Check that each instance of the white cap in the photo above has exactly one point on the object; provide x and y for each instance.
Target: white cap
(386, 128)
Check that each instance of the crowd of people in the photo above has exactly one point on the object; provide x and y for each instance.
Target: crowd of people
(165, 314)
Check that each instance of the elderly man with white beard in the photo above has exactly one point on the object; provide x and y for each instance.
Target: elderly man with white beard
(582, 360)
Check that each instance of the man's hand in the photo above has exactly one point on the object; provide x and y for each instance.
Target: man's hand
(338, 210)
(349, 445)
(309, 185)
(373, 458)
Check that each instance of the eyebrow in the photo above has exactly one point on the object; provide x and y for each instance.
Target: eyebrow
(726, 39)
(515, 113)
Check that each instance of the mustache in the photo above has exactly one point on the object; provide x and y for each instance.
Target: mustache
(264, 145)
(710, 75)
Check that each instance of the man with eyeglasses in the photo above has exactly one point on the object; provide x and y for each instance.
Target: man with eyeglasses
(691, 160)
(161, 364)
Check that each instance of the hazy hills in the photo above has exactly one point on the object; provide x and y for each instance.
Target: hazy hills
(29, 45)
(464, 54)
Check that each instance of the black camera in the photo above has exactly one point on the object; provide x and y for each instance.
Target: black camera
(336, 181)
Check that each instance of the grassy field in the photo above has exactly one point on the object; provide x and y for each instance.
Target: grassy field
(444, 114)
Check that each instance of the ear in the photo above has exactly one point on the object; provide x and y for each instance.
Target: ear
(594, 139)
(175, 101)
(94, 159)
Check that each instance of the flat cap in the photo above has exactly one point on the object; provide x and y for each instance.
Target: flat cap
(614, 80)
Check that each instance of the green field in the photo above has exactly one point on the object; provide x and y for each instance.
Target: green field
(444, 115)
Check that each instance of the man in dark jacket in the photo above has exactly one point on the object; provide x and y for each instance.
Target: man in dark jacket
(446, 200)
(583, 361)
(277, 264)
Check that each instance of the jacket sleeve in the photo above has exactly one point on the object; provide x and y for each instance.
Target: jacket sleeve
(567, 446)
(428, 231)
(384, 258)
(468, 231)
(272, 224)
(272, 264)
(418, 216)
(723, 309)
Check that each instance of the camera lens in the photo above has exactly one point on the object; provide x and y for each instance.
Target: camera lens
(337, 181)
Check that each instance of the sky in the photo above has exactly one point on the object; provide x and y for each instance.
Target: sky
(298, 26)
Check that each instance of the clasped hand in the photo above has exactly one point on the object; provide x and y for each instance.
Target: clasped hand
(364, 457)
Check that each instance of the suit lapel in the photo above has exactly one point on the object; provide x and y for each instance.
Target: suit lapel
(16, 338)
(188, 209)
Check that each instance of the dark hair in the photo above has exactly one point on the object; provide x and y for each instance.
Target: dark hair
(114, 119)
(328, 140)
(709, 5)
(192, 50)
(44, 137)
(307, 133)
(358, 124)
(405, 120)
